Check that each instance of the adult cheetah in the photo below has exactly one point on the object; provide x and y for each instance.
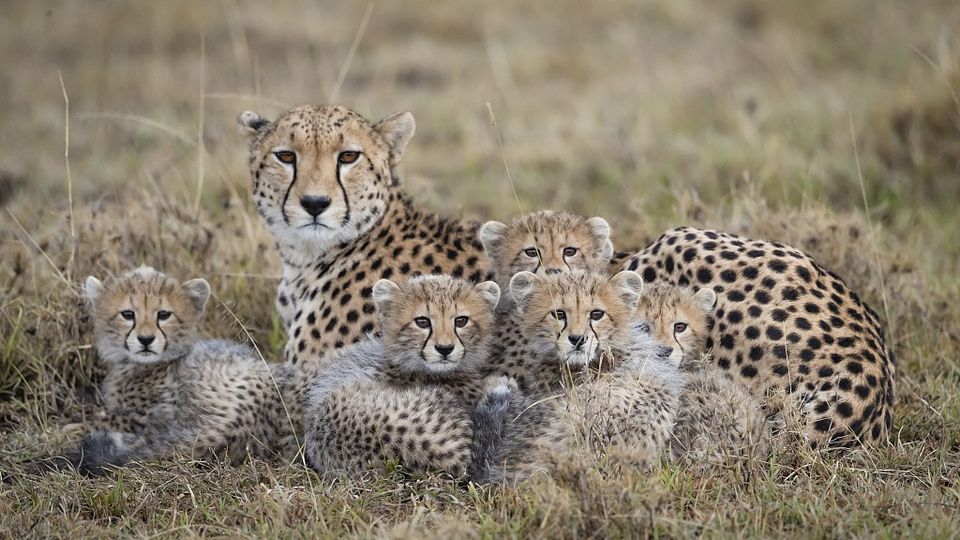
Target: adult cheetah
(783, 323)
(325, 184)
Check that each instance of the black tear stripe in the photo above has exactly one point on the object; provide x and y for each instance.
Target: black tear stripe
(562, 328)
(283, 205)
(132, 328)
(423, 347)
(594, 331)
(160, 329)
(460, 339)
(346, 200)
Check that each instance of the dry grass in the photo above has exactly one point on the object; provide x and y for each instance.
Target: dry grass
(734, 114)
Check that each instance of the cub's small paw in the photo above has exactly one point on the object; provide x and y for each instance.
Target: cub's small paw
(102, 448)
(501, 385)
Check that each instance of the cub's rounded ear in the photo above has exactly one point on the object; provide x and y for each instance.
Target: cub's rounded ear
(252, 122)
(92, 289)
(397, 129)
(198, 291)
(490, 292)
(706, 299)
(628, 285)
(491, 233)
(522, 285)
(601, 233)
(384, 293)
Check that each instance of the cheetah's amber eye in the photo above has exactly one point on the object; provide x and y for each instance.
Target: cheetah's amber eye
(286, 156)
(461, 321)
(559, 314)
(596, 314)
(348, 157)
(680, 328)
(163, 315)
(422, 322)
(127, 314)
(531, 252)
(569, 251)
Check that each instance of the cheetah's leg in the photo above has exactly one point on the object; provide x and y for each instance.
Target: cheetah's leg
(489, 417)
(363, 425)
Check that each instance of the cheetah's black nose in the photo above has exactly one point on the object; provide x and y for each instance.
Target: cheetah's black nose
(552, 270)
(145, 340)
(444, 350)
(577, 341)
(314, 205)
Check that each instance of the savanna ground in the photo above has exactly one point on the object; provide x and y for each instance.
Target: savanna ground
(834, 126)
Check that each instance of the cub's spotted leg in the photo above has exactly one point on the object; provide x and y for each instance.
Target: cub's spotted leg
(362, 426)
(489, 418)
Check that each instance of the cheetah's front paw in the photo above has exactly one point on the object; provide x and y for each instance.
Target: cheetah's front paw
(501, 385)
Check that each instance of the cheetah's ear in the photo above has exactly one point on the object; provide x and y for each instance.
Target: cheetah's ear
(628, 285)
(522, 285)
(397, 129)
(252, 122)
(490, 292)
(198, 291)
(92, 289)
(490, 235)
(384, 293)
(601, 232)
(706, 299)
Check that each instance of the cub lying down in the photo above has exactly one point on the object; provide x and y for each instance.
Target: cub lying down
(166, 392)
(600, 380)
(411, 394)
(719, 423)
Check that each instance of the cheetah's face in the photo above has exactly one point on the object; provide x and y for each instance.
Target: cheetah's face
(445, 322)
(144, 316)
(679, 319)
(321, 175)
(576, 317)
(545, 243)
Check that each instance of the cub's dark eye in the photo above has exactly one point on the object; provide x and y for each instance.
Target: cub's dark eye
(596, 314)
(286, 156)
(570, 251)
(348, 157)
(531, 252)
(559, 314)
(679, 328)
(422, 322)
(163, 315)
(461, 321)
(127, 314)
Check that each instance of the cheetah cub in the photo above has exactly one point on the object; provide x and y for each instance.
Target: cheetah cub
(411, 394)
(603, 382)
(719, 422)
(546, 242)
(165, 392)
(542, 243)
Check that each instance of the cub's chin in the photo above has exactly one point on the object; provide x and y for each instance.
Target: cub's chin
(578, 359)
(445, 366)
